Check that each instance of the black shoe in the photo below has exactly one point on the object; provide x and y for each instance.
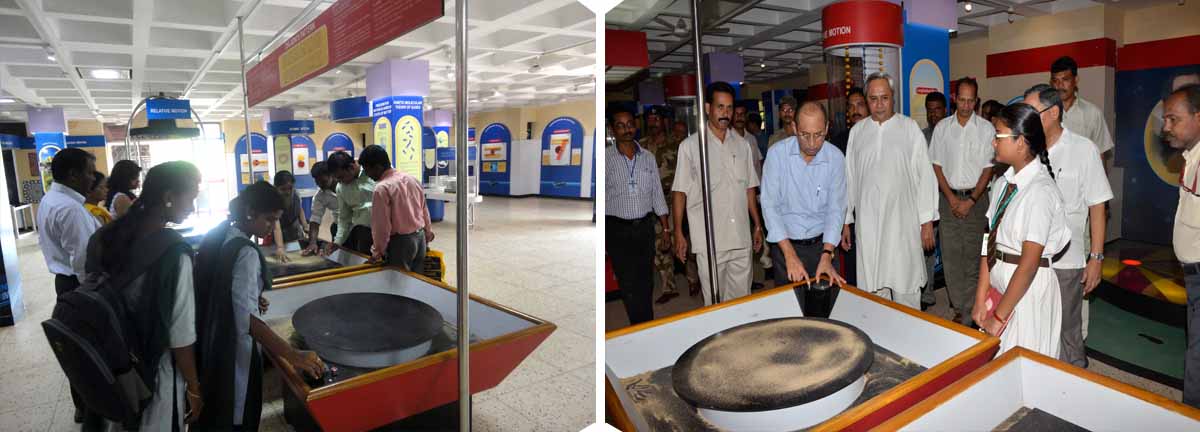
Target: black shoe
(666, 297)
(925, 306)
(79, 416)
(755, 286)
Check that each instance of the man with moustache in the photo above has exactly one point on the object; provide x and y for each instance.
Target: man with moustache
(1080, 116)
(739, 126)
(961, 152)
(1181, 127)
(664, 148)
(787, 114)
(804, 201)
(633, 200)
(731, 193)
(891, 198)
(935, 111)
(856, 109)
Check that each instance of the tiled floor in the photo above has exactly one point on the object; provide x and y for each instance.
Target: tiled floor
(535, 255)
(615, 318)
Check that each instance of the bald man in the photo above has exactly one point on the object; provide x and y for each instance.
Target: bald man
(804, 203)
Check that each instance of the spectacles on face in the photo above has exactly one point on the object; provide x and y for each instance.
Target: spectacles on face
(1001, 136)
(811, 137)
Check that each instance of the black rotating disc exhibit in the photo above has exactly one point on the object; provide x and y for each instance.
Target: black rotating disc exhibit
(368, 330)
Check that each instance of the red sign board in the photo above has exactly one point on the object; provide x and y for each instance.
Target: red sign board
(862, 22)
(626, 48)
(348, 29)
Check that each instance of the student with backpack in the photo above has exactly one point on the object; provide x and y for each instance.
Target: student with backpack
(231, 275)
(64, 227)
(150, 265)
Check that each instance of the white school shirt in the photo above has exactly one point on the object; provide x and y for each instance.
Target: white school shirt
(890, 192)
(1035, 213)
(731, 172)
(64, 228)
(1086, 119)
(963, 152)
(246, 288)
(1080, 177)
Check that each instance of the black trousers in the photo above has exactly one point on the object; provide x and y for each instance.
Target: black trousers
(359, 240)
(810, 255)
(64, 284)
(407, 251)
(630, 245)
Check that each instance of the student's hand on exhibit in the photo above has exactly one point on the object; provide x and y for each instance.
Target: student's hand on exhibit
(825, 267)
(681, 246)
(263, 304)
(328, 249)
(846, 243)
(195, 404)
(281, 255)
(306, 362)
(1091, 276)
(311, 249)
(376, 258)
(927, 235)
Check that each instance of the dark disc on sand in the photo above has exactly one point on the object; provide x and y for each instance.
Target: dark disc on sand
(772, 364)
(367, 329)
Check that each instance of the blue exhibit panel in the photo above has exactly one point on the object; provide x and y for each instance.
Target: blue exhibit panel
(245, 167)
(337, 142)
(926, 66)
(303, 169)
(428, 146)
(561, 139)
(495, 177)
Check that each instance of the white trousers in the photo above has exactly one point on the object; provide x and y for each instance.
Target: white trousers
(733, 274)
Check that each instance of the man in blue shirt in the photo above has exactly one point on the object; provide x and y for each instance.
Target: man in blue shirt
(633, 200)
(804, 200)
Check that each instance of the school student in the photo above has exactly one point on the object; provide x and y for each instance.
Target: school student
(161, 295)
(94, 200)
(325, 200)
(291, 224)
(400, 221)
(231, 276)
(1027, 226)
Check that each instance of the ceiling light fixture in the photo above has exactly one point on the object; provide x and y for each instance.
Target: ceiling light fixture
(337, 71)
(50, 54)
(762, 64)
(967, 6)
(1011, 18)
(8, 100)
(105, 74)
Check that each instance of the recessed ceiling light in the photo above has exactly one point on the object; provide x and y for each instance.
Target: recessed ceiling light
(105, 74)
(967, 7)
(7, 100)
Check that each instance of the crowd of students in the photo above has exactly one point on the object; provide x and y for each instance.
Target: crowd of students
(198, 313)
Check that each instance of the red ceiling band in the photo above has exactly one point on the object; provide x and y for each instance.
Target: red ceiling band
(1159, 54)
(1088, 53)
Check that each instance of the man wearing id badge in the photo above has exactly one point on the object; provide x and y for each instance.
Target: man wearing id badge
(633, 197)
(1181, 127)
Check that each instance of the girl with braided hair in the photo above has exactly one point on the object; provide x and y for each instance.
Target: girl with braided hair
(1017, 297)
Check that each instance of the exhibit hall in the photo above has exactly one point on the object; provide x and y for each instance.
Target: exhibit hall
(901, 215)
(286, 215)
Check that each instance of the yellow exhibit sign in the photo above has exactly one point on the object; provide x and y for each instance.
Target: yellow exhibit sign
(383, 135)
(309, 55)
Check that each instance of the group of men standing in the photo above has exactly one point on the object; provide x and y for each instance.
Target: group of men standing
(882, 188)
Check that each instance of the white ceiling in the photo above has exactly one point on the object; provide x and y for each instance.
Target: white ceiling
(167, 44)
(785, 35)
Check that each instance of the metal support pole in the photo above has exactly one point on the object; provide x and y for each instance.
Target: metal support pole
(702, 135)
(462, 204)
(245, 91)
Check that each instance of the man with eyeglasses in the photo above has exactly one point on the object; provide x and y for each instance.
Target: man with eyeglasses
(961, 152)
(804, 201)
(891, 198)
(633, 200)
(1079, 174)
(1181, 127)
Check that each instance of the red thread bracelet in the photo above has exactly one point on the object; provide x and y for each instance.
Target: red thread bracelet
(997, 317)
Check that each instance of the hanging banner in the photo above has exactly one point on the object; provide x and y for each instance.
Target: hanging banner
(85, 141)
(286, 127)
(48, 144)
(168, 109)
(398, 123)
(9, 142)
(926, 61)
(344, 31)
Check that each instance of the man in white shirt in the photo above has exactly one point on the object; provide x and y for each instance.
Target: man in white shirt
(1181, 127)
(1079, 174)
(961, 152)
(64, 227)
(787, 114)
(731, 192)
(1079, 115)
(892, 195)
(739, 126)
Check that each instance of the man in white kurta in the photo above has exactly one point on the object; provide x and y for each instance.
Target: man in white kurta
(737, 227)
(891, 198)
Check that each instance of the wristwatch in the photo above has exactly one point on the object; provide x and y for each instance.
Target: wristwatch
(830, 252)
(1096, 256)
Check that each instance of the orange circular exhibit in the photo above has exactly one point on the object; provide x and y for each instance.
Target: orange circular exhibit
(1131, 262)
(680, 86)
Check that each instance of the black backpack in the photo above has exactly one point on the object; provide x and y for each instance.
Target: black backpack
(93, 337)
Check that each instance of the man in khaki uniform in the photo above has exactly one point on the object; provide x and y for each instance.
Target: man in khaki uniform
(665, 148)
(787, 114)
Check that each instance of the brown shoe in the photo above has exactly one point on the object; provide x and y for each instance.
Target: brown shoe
(666, 297)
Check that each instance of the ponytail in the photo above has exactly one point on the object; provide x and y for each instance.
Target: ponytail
(164, 178)
(1044, 156)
